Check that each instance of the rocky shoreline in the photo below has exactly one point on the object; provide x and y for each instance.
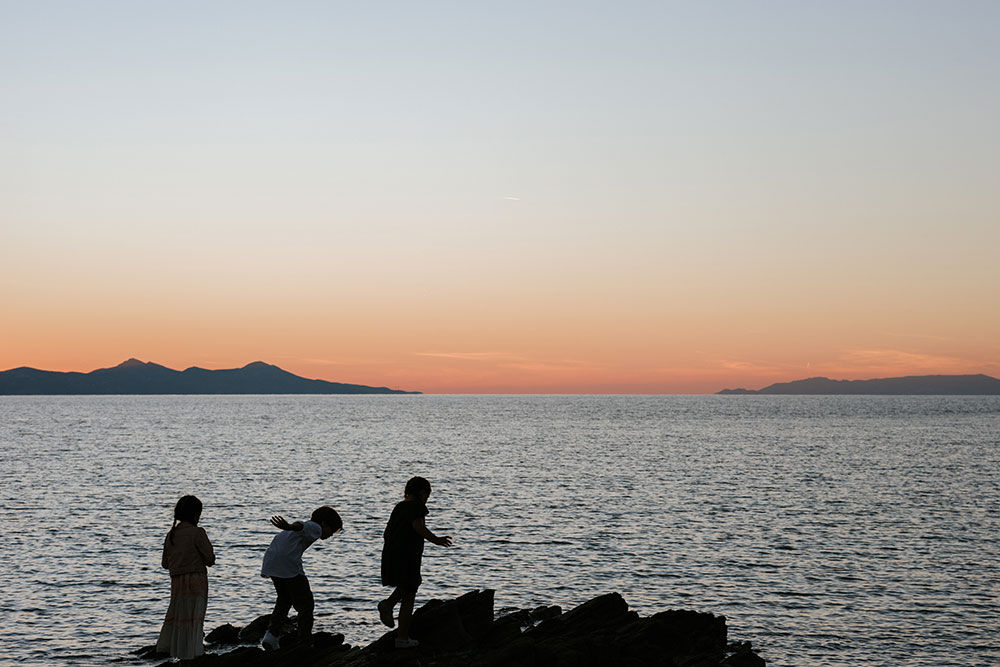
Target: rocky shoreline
(464, 632)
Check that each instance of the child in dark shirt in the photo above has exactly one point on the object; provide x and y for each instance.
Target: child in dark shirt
(401, 555)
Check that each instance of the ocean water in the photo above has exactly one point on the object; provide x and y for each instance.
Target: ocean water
(828, 530)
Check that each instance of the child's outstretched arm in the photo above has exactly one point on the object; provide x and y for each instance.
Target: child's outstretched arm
(423, 531)
(278, 521)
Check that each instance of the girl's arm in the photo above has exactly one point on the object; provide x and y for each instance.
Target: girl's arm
(424, 532)
(163, 560)
(204, 547)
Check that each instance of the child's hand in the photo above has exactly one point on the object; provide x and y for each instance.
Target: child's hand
(278, 521)
(443, 541)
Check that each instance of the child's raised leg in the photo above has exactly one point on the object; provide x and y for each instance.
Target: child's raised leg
(386, 607)
(404, 597)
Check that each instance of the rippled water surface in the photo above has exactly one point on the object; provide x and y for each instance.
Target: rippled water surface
(828, 530)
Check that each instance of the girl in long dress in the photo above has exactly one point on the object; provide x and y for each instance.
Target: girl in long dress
(187, 553)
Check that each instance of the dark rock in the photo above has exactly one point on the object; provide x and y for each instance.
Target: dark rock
(454, 624)
(327, 639)
(743, 659)
(253, 633)
(514, 621)
(691, 632)
(243, 655)
(224, 634)
(604, 631)
(149, 653)
(508, 627)
(517, 652)
(520, 617)
(602, 613)
(462, 633)
(545, 612)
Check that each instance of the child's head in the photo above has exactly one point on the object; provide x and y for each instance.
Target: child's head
(188, 508)
(328, 519)
(418, 488)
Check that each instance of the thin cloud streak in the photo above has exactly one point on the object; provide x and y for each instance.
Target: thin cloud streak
(516, 362)
(471, 356)
(896, 334)
(903, 361)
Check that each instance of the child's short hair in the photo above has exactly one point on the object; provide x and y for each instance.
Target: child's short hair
(416, 485)
(329, 516)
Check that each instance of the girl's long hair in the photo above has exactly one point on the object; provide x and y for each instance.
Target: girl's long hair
(188, 508)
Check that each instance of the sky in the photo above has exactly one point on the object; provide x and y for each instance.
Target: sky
(515, 197)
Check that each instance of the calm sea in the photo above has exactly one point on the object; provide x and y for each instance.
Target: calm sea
(828, 530)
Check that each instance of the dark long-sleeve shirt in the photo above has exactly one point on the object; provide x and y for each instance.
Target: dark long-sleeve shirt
(190, 552)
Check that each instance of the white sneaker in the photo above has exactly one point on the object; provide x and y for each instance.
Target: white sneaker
(269, 642)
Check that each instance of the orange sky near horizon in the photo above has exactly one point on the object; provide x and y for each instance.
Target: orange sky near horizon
(539, 342)
(659, 200)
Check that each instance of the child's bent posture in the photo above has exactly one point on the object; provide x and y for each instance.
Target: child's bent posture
(186, 553)
(283, 564)
(401, 556)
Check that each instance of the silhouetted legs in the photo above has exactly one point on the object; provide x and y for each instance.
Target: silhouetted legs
(404, 597)
(293, 592)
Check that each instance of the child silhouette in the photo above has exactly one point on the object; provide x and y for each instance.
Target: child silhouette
(401, 556)
(186, 553)
(283, 564)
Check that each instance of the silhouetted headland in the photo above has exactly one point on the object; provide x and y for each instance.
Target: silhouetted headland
(915, 385)
(465, 631)
(138, 377)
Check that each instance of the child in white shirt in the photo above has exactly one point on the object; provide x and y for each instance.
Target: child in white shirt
(283, 564)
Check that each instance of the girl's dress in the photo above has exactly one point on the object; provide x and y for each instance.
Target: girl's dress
(403, 548)
(186, 556)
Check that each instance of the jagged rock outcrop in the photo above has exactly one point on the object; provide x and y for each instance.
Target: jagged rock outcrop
(463, 632)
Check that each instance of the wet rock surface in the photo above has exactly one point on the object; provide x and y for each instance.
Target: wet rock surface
(464, 632)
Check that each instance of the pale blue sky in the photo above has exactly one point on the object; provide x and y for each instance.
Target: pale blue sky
(549, 99)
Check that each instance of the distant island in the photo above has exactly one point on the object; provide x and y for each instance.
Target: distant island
(917, 385)
(138, 377)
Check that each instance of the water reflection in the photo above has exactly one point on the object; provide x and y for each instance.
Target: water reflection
(828, 530)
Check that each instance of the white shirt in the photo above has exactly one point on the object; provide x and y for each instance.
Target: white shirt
(284, 557)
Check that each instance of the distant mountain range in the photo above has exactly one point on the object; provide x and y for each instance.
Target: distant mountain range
(947, 385)
(138, 377)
